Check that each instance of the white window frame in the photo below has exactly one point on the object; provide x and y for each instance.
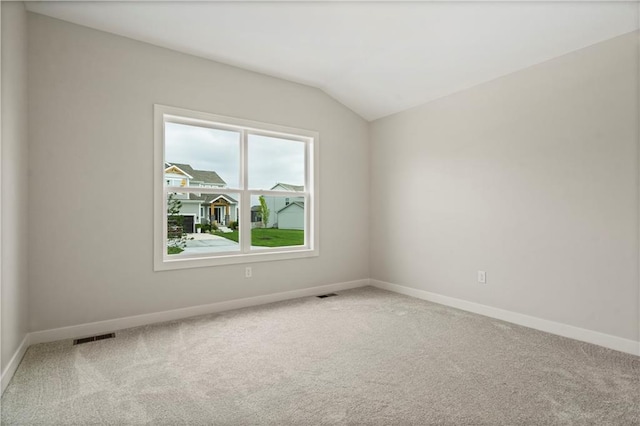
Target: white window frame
(163, 262)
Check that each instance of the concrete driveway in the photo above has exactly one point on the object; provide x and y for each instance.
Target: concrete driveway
(207, 243)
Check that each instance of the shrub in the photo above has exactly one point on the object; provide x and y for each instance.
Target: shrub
(233, 225)
(205, 225)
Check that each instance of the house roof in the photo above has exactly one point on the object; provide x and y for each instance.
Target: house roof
(226, 197)
(289, 187)
(172, 168)
(295, 203)
(209, 198)
(204, 176)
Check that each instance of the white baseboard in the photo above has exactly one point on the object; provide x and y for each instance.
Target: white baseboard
(82, 330)
(584, 335)
(89, 329)
(13, 364)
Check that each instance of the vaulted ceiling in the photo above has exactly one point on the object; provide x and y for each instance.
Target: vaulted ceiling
(377, 58)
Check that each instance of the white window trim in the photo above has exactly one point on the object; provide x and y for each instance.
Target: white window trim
(163, 262)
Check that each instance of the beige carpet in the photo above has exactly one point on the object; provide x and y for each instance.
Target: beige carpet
(364, 357)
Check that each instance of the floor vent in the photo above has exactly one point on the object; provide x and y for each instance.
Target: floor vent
(322, 296)
(94, 338)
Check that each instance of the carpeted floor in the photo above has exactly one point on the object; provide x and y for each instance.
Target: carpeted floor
(366, 356)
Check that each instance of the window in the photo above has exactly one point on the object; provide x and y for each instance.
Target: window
(252, 187)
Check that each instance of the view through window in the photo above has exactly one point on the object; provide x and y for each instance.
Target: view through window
(231, 190)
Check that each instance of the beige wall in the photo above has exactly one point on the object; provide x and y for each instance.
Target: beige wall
(91, 110)
(533, 178)
(14, 179)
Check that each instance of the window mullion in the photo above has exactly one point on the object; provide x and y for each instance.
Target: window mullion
(245, 196)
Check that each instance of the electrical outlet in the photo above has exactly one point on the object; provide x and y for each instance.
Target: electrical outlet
(248, 273)
(482, 277)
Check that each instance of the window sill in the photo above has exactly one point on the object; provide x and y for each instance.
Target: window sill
(177, 262)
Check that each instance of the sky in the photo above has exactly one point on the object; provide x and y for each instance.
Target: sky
(271, 160)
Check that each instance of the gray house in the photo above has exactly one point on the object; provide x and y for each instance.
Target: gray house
(278, 206)
(291, 216)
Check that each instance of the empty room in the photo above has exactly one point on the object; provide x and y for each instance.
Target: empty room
(301, 213)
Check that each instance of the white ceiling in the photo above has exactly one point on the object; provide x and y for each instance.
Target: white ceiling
(376, 58)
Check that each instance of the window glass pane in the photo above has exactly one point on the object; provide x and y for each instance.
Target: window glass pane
(276, 164)
(189, 231)
(276, 223)
(201, 157)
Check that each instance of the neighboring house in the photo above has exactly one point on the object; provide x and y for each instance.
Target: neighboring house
(200, 208)
(278, 205)
(291, 216)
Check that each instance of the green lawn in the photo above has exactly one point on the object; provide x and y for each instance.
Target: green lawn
(270, 237)
(174, 250)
